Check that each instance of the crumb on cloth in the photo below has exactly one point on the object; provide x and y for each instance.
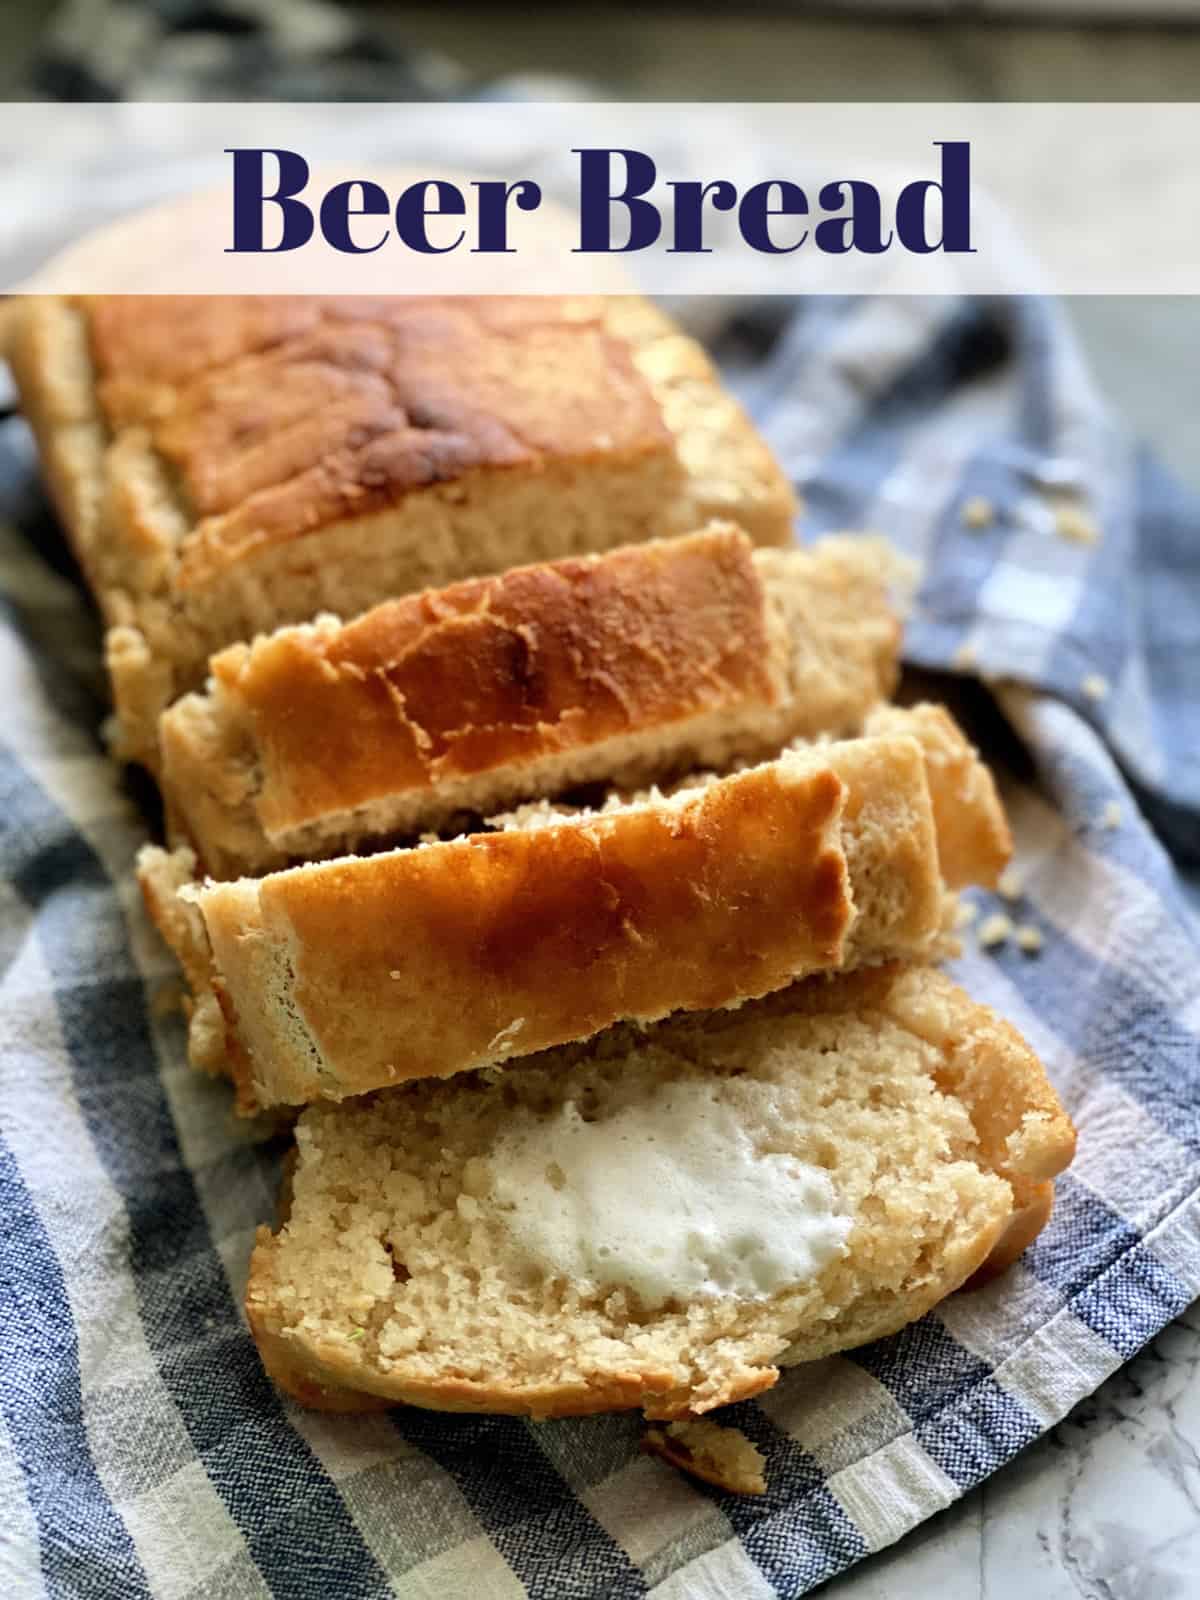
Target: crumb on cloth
(716, 1454)
(1072, 522)
(978, 512)
(994, 930)
(1010, 886)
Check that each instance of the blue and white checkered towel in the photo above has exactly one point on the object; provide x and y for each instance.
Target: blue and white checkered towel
(143, 1452)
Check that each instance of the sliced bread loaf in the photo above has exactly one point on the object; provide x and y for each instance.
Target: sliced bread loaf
(659, 1218)
(225, 465)
(628, 668)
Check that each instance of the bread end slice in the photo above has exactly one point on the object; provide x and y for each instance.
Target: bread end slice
(399, 1276)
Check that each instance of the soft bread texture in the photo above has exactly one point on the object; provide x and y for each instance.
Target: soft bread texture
(627, 667)
(227, 465)
(161, 875)
(974, 841)
(351, 975)
(394, 1278)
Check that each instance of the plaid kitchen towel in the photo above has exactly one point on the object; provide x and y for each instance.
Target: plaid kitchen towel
(142, 1450)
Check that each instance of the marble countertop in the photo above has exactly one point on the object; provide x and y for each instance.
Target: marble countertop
(1104, 1507)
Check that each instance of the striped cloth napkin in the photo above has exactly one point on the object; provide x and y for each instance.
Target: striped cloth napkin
(143, 1452)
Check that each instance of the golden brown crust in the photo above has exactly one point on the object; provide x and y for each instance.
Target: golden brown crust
(355, 935)
(435, 688)
(514, 666)
(350, 975)
(625, 667)
(426, 962)
(421, 440)
(1033, 1205)
(429, 402)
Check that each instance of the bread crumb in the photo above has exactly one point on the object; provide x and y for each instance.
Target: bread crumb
(965, 913)
(964, 658)
(1029, 938)
(977, 512)
(394, 973)
(1110, 817)
(1095, 686)
(1009, 885)
(994, 930)
(1072, 523)
(718, 1455)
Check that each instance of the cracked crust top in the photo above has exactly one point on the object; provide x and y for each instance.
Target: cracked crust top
(225, 466)
(292, 416)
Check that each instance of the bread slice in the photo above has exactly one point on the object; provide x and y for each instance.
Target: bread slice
(628, 667)
(350, 975)
(227, 465)
(420, 1262)
(974, 842)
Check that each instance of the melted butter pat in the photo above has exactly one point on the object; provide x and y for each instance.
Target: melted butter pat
(670, 1200)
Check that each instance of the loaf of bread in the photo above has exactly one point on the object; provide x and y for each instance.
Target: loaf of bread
(225, 465)
(628, 667)
(663, 1217)
(350, 975)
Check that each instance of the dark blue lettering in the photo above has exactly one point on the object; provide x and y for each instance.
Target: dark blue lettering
(494, 195)
(596, 200)
(415, 206)
(861, 229)
(337, 209)
(955, 190)
(250, 197)
(756, 211)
